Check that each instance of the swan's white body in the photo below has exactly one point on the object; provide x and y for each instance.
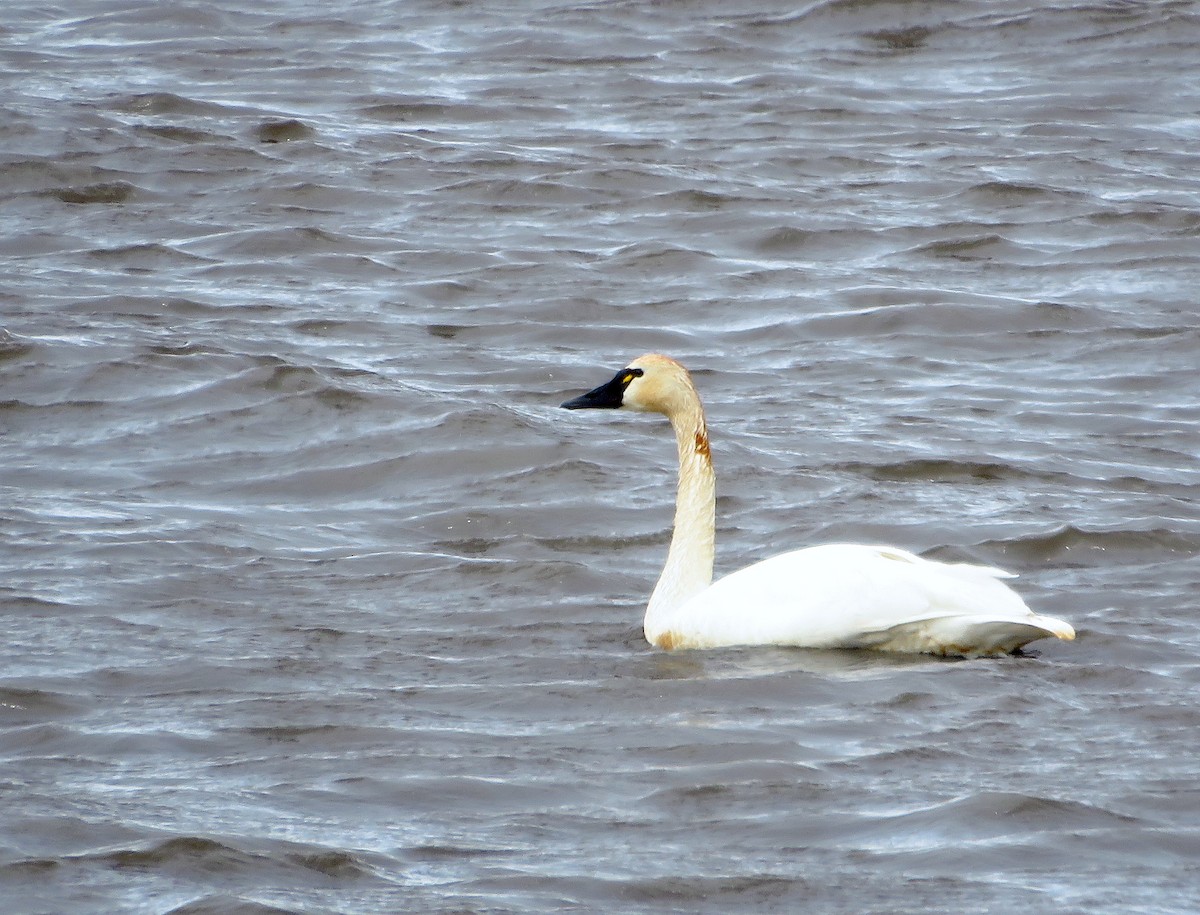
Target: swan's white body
(846, 595)
(832, 596)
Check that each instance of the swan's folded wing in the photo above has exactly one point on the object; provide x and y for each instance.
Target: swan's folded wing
(852, 596)
(965, 636)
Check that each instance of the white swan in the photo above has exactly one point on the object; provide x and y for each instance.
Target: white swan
(834, 596)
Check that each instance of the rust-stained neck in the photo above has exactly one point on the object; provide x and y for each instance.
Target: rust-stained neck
(689, 566)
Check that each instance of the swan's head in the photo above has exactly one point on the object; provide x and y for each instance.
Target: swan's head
(652, 383)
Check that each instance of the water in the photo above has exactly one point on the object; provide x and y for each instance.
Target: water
(312, 599)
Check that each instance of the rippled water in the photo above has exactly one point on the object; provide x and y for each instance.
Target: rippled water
(312, 599)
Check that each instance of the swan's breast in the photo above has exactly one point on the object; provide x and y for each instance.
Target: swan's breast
(671, 640)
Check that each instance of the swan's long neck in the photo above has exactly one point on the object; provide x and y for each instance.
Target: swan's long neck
(689, 567)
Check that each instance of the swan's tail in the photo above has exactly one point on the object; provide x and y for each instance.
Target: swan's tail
(1055, 627)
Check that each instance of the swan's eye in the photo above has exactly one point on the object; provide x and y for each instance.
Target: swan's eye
(629, 375)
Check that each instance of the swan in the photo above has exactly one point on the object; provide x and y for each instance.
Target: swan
(839, 595)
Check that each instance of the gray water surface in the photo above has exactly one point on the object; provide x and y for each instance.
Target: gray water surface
(314, 601)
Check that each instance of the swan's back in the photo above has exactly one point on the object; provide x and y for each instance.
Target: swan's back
(855, 596)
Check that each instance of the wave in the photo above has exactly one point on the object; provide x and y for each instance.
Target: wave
(1070, 546)
(947, 470)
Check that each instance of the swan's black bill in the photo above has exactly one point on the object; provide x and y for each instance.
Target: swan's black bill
(608, 396)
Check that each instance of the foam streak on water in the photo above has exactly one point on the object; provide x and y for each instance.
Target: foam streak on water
(312, 600)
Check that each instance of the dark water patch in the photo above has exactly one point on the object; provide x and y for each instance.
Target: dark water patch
(1143, 255)
(26, 606)
(445, 331)
(946, 316)
(283, 131)
(298, 378)
(315, 197)
(193, 857)
(20, 706)
(187, 851)
(907, 759)
(176, 133)
(941, 470)
(33, 175)
(147, 256)
(354, 268)
(138, 25)
(700, 889)
(31, 868)
(696, 201)
(1170, 219)
(167, 103)
(64, 742)
(731, 797)
(788, 238)
(282, 242)
(418, 111)
(334, 329)
(992, 814)
(162, 308)
(1075, 547)
(178, 349)
(902, 40)
(331, 480)
(438, 853)
(440, 292)
(328, 736)
(978, 247)
(660, 260)
(520, 194)
(1006, 194)
(339, 865)
(13, 346)
(41, 244)
(106, 193)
